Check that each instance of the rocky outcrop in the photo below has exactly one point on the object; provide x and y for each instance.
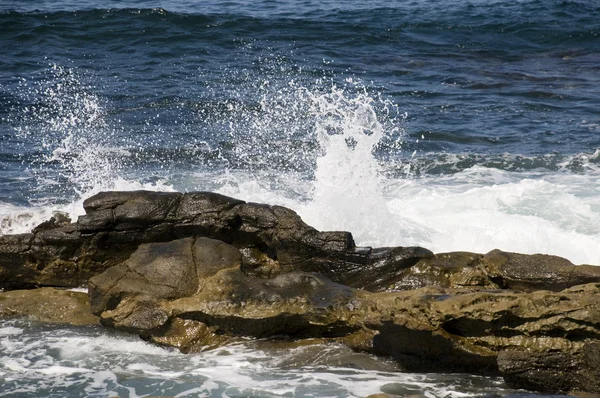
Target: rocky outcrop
(272, 240)
(199, 270)
(528, 337)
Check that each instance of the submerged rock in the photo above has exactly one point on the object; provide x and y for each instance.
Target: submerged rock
(199, 270)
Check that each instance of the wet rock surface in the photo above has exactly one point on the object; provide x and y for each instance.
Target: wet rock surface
(199, 270)
(48, 305)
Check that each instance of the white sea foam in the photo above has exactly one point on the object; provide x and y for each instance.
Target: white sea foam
(521, 215)
(529, 216)
(20, 219)
(61, 370)
(86, 361)
(10, 331)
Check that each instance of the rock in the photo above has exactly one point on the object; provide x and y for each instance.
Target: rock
(257, 263)
(494, 270)
(57, 220)
(127, 294)
(211, 255)
(567, 354)
(531, 336)
(139, 314)
(53, 257)
(200, 270)
(526, 336)
(272, 239)
(552, 371)
(167, 278)
(157, 270)
(296, 303)
(206, 214)
(190, 336)
(446, 270)
(396, 390)
(128, 210)
(48, 305)
(15, 269)
(385, 395)
(524, 272)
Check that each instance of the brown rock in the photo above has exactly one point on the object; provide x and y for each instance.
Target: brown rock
(190, 336)
(273, 239)
(446, 270)
(136, 314)
(211, 256)
(57, 220)
(48, 305)
(157, 270)
(524, 272)
(495, 270)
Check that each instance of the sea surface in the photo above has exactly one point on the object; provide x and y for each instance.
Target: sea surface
(454, 125)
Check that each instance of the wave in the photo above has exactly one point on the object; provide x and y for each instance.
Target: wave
(430, 164)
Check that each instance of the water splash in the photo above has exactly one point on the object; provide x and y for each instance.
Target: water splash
(331, 150)
(531, 205)
(311, 146)
(69, 146)
(66, 118)
(348, 184)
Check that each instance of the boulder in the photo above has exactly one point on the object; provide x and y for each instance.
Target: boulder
(523, 272)
(50, 257)
(190, 336)
(58, 219)
(156, 271)
(482, 332)
(272, 239)
(551, 371)
(446, 270)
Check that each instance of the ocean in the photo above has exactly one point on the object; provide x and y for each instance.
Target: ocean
(453, 125)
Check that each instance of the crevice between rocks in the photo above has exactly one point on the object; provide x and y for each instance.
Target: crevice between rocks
(293, 325)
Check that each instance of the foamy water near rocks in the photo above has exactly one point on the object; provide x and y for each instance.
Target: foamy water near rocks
(199, 270)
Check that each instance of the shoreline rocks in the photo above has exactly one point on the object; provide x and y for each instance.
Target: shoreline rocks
(199, 270)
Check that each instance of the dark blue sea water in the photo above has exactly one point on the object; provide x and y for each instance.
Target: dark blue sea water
(456, 125)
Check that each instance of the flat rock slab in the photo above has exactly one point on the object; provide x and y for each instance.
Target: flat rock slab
(48, 305)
